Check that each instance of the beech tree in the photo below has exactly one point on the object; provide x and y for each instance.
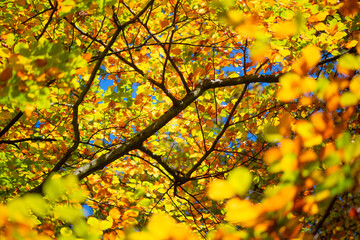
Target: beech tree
(229, 119)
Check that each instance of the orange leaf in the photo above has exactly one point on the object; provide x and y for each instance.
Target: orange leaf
(285, 124)
(164, 23)
(176, 51)
(29, 109)
(284, 29)
(318, 121)
(272, 155)
(310, 57)
(351, 44)
(307, 156)
(87, 57)
(201, 108)
(318, 17)
(114, 213)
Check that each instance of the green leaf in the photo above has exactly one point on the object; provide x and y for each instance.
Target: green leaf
(139, 193)
(54, 187)
(66, 231)
(343, 140)
(101, 5)
(350, 61)
(145, 202)
(271, 134)
(37, 204)
(67, 213)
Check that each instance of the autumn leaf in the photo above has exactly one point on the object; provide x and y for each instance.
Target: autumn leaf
(240, 179)
(220, 190)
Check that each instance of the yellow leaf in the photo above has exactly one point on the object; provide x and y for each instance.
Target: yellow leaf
(105, 225)
(314, 140)
(4, 53)
(348, 99)
(308, 84)
(259, 50)
(311, 55)
(320, 196)
(242, 211)
(310, 206)
(272, 134)
(280, 199)
(235, 17)
(240, 179)
(321, 27)
(93, 221)
(290, 84)
(161, 225)
(355, 86)
(220, 190)
(98, 142)
(339, 35)
(304, 129)
(66, 6)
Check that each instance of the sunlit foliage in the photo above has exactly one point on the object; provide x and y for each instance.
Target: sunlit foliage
(179, 119)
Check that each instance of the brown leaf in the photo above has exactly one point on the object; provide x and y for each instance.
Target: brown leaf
(6, 75)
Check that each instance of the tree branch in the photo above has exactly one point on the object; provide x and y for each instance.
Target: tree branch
(75, 123)
(226, 125)
(136, 142)
(11, 123)
(34, 139)
(331, 59)
(321, 222)
(158, 159)
(54, 9)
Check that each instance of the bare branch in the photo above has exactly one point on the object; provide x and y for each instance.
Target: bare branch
(34, 139)
(226, 125)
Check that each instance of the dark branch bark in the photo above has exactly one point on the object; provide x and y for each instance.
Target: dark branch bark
(331, 59)
(54, 9)
(11, 123)
(321, 222)
(34, 139)
(158, 160)
(217, 139)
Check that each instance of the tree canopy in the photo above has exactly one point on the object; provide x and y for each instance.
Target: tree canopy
(179, 119)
